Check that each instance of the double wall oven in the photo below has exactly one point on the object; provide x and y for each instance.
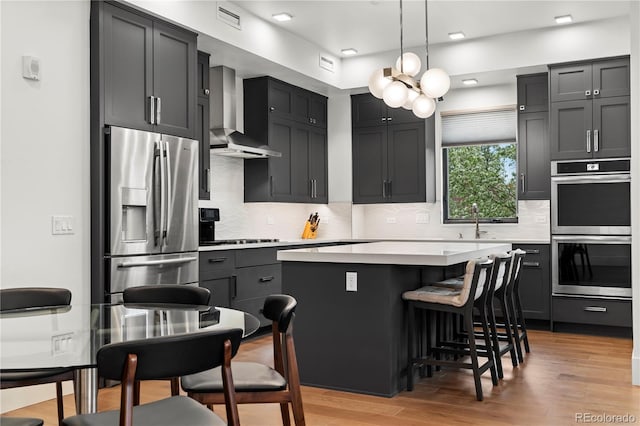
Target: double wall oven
(591, 228)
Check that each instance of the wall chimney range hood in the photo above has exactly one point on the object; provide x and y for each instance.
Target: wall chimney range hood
(225, 139)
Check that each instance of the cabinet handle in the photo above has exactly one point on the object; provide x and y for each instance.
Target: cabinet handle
(315, 188)
(152, 110)
(234, 286)
(158, 110)
(588, 140)
(266, 279)
(522, 182)
(587, 92)
(311, 188)
(531, 264)
(384, 189)
(596, 92)
(596, 140)
(272, 109)
(270, 186)
(208, 180)
(217, 259)
(595, 309)
(310, 120)
(390, 191)
(389, 118)
(532, 251)
(383, 119)
(521, 108)
(207, 91)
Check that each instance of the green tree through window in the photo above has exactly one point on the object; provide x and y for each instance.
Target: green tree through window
(482, 174)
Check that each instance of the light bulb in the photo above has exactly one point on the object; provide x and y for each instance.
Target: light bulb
(395, 94)
(377, 83)
(424, 106)
(435, 83)
(411, 96)
(410, 64)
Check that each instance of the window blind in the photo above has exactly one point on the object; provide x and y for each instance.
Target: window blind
(479, 128)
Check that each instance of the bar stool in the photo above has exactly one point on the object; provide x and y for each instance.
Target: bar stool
(462, 302)
(512, 298)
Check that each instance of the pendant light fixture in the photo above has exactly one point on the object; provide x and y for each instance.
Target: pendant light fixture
(397, 87)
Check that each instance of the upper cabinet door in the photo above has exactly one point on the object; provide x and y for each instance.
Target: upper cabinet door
(611, 78)
(281, 99)
(611, 127)
(406, 163)
(318, 165)
(369, 158)
(367, 110)
(570, 83)
(174, 79)
(533, 94)
(571, 132)
(128, 77)
(534, 169)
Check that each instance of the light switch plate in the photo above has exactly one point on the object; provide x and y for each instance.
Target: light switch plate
(422, 217)
(62, 225)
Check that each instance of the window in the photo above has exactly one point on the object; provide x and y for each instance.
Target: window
(479, 166)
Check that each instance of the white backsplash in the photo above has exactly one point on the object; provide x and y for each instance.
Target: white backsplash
(285, 221)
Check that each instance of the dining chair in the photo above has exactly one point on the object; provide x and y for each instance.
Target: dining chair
(461, 302)
(161, 357)
(20, 421)
(165, 294)
(27, 298)
(258, 383)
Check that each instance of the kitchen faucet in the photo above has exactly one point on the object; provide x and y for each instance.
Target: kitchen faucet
(474, 212)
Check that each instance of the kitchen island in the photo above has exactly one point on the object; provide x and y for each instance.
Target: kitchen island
(350, 333)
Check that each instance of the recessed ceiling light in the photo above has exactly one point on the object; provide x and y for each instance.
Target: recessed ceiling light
(282, 17)
(458, 35)
(470, 82)
(564, 19)
(349, 52)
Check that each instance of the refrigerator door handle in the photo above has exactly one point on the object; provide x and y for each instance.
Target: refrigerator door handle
(157, 262)
(157, 195)
(163, 191)
(167, 202)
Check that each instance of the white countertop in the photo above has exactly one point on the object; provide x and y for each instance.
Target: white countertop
(302, 242)
(440, 253)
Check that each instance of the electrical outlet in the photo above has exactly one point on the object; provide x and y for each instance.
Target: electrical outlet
(352, 281)
(392, 220)
(62, 344)
(541, 218)
(422, 217)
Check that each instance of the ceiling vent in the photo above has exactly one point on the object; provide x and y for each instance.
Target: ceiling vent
(327, 63)
(229, 17)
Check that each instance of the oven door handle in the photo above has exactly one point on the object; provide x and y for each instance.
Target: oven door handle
(617, 178)
(593, 238)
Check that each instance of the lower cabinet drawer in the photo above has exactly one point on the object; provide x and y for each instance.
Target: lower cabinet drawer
(592, 311)
(258, 281)
(253, 307)
(217, 264)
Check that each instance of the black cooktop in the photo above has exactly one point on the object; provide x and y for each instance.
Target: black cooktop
(239, 241)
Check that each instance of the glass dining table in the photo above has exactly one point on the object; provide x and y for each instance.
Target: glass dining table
(70, 336)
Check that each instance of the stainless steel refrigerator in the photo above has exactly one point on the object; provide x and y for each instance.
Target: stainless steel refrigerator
(152, 212)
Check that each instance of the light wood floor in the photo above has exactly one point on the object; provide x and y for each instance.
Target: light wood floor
(564, 374)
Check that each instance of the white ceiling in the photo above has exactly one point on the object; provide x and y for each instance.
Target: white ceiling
(374, 26)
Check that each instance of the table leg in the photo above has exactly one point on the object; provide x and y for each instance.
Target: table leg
(85, 384)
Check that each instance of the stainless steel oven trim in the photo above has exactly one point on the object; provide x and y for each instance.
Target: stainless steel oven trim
(595, 230)
(570, 290)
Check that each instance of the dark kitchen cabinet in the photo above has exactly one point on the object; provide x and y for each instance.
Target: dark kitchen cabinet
(202, 126)
(590, 110)
(533, 93)
(591, 129)
(535, 281)
(389, 157)
(149, 71)
(534, 164)
(309, 164)
(590, 80)
(292, 121)
(534, 169)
